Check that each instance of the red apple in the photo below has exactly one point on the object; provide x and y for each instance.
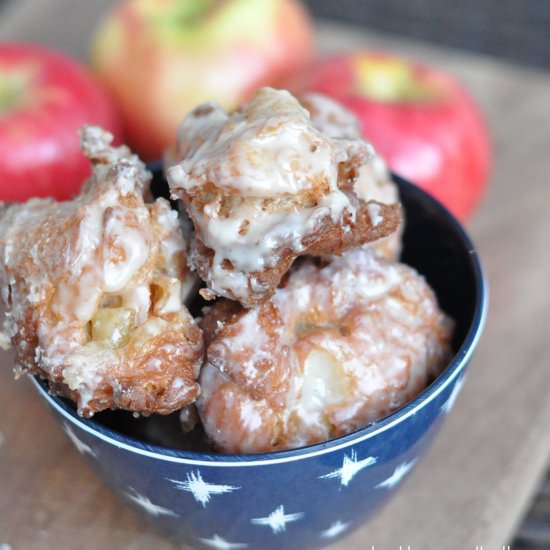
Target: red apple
(419, 118)
(45, 98)
(160, 59)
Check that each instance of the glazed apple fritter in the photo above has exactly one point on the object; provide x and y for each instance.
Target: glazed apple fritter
(264, 186)
(94, 288)
(338, 347)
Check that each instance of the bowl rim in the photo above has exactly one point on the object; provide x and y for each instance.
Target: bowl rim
(453, 370)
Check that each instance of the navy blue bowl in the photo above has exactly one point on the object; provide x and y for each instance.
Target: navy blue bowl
(312, 496)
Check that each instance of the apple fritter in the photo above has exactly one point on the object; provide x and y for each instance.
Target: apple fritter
(94, 291)
(264, 186)
(340, 346)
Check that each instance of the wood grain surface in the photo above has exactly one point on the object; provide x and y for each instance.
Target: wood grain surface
(476, 480)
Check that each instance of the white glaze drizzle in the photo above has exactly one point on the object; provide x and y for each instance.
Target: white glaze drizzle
(269, 150)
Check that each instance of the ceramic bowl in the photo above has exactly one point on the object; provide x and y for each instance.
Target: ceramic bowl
(307, 497)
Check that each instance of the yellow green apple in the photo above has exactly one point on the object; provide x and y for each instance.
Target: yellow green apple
(160, 58)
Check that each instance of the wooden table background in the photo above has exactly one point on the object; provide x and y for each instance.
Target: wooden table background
(474, 484)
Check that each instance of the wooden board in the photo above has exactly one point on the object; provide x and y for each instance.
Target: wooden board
(473, 486)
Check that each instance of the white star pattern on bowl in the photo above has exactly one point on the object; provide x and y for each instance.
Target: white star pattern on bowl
(398, 474)
(81, 447)
(334, 530)
(219, 543)
(277, 520)
(151, 508)
(350, 468)
(201, 490)
(449, 404)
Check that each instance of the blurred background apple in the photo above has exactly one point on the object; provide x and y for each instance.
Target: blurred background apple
(162, 58)
(419, 118)
(45, 98)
